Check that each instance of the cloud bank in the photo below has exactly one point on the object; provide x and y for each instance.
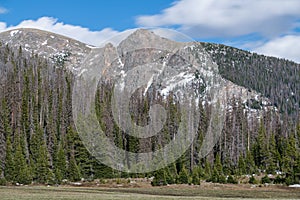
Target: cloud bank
(274, 21)
(227, 17)
(77, 32)
(282, 47)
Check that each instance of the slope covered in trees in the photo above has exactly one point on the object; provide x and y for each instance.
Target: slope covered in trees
(277, 79)
(38, 141)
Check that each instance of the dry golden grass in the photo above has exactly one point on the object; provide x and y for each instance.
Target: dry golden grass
(205, 191)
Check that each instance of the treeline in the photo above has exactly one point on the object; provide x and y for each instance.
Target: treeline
(39, 144)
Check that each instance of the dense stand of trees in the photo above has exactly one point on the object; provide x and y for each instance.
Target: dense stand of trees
(277, 79)
(38, 141)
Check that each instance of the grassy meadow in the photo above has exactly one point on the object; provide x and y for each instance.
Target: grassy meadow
(167, 192)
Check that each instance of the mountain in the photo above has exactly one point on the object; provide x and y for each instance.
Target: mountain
(50, 45)
(46, 44)
(38, 74)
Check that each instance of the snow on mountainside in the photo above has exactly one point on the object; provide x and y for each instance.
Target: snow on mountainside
(142, 47)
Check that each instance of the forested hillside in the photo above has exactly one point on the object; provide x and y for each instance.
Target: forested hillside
(277, 79)
(39, 143)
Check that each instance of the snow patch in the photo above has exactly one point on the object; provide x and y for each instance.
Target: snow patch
(120, 62)
(122, 73)
(89, 46)
(148, 85)
(173, 83)
(45, 43)
(12, 33)
(295, 186)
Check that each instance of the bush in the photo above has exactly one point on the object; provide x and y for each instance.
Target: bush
(252, 180)
(231, 180)
(222, 179)
(279, 180)
(3, 181)
(159, 178)
(289, 181)
(265, 179)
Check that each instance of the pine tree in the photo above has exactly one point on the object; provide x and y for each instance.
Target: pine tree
(159, 178)
(170, 178)
(183, 176)
(22, 173)
(215, 176)
(218, 164)
(73, 170)
(241, 165)
(289, 156)
(43, 173)
(274, 156)
(207, 169)
(39, 159)
(9, 170)
(60, 169)
(250, 165)
(260, 148)
(196, 176)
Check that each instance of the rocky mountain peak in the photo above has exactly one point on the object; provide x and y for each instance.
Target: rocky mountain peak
(143, 39)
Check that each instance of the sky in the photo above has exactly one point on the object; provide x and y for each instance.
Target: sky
(270, 27)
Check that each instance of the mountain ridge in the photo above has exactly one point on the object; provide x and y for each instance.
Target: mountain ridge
(50, 45)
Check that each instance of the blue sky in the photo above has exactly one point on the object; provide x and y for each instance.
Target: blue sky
(95, 15)
(270, 27)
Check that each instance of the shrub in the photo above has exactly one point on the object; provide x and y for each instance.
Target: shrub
(159, 178)
(3, 181)
(279, 180)
(252, 180)
(265, 179)
(289, 181)
(222, 179)
(231, 180)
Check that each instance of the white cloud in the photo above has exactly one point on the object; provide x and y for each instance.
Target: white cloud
(284, 47)
(3, 10)
(2, 26)
(227, 18)
(77, 32)
(230, 21)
